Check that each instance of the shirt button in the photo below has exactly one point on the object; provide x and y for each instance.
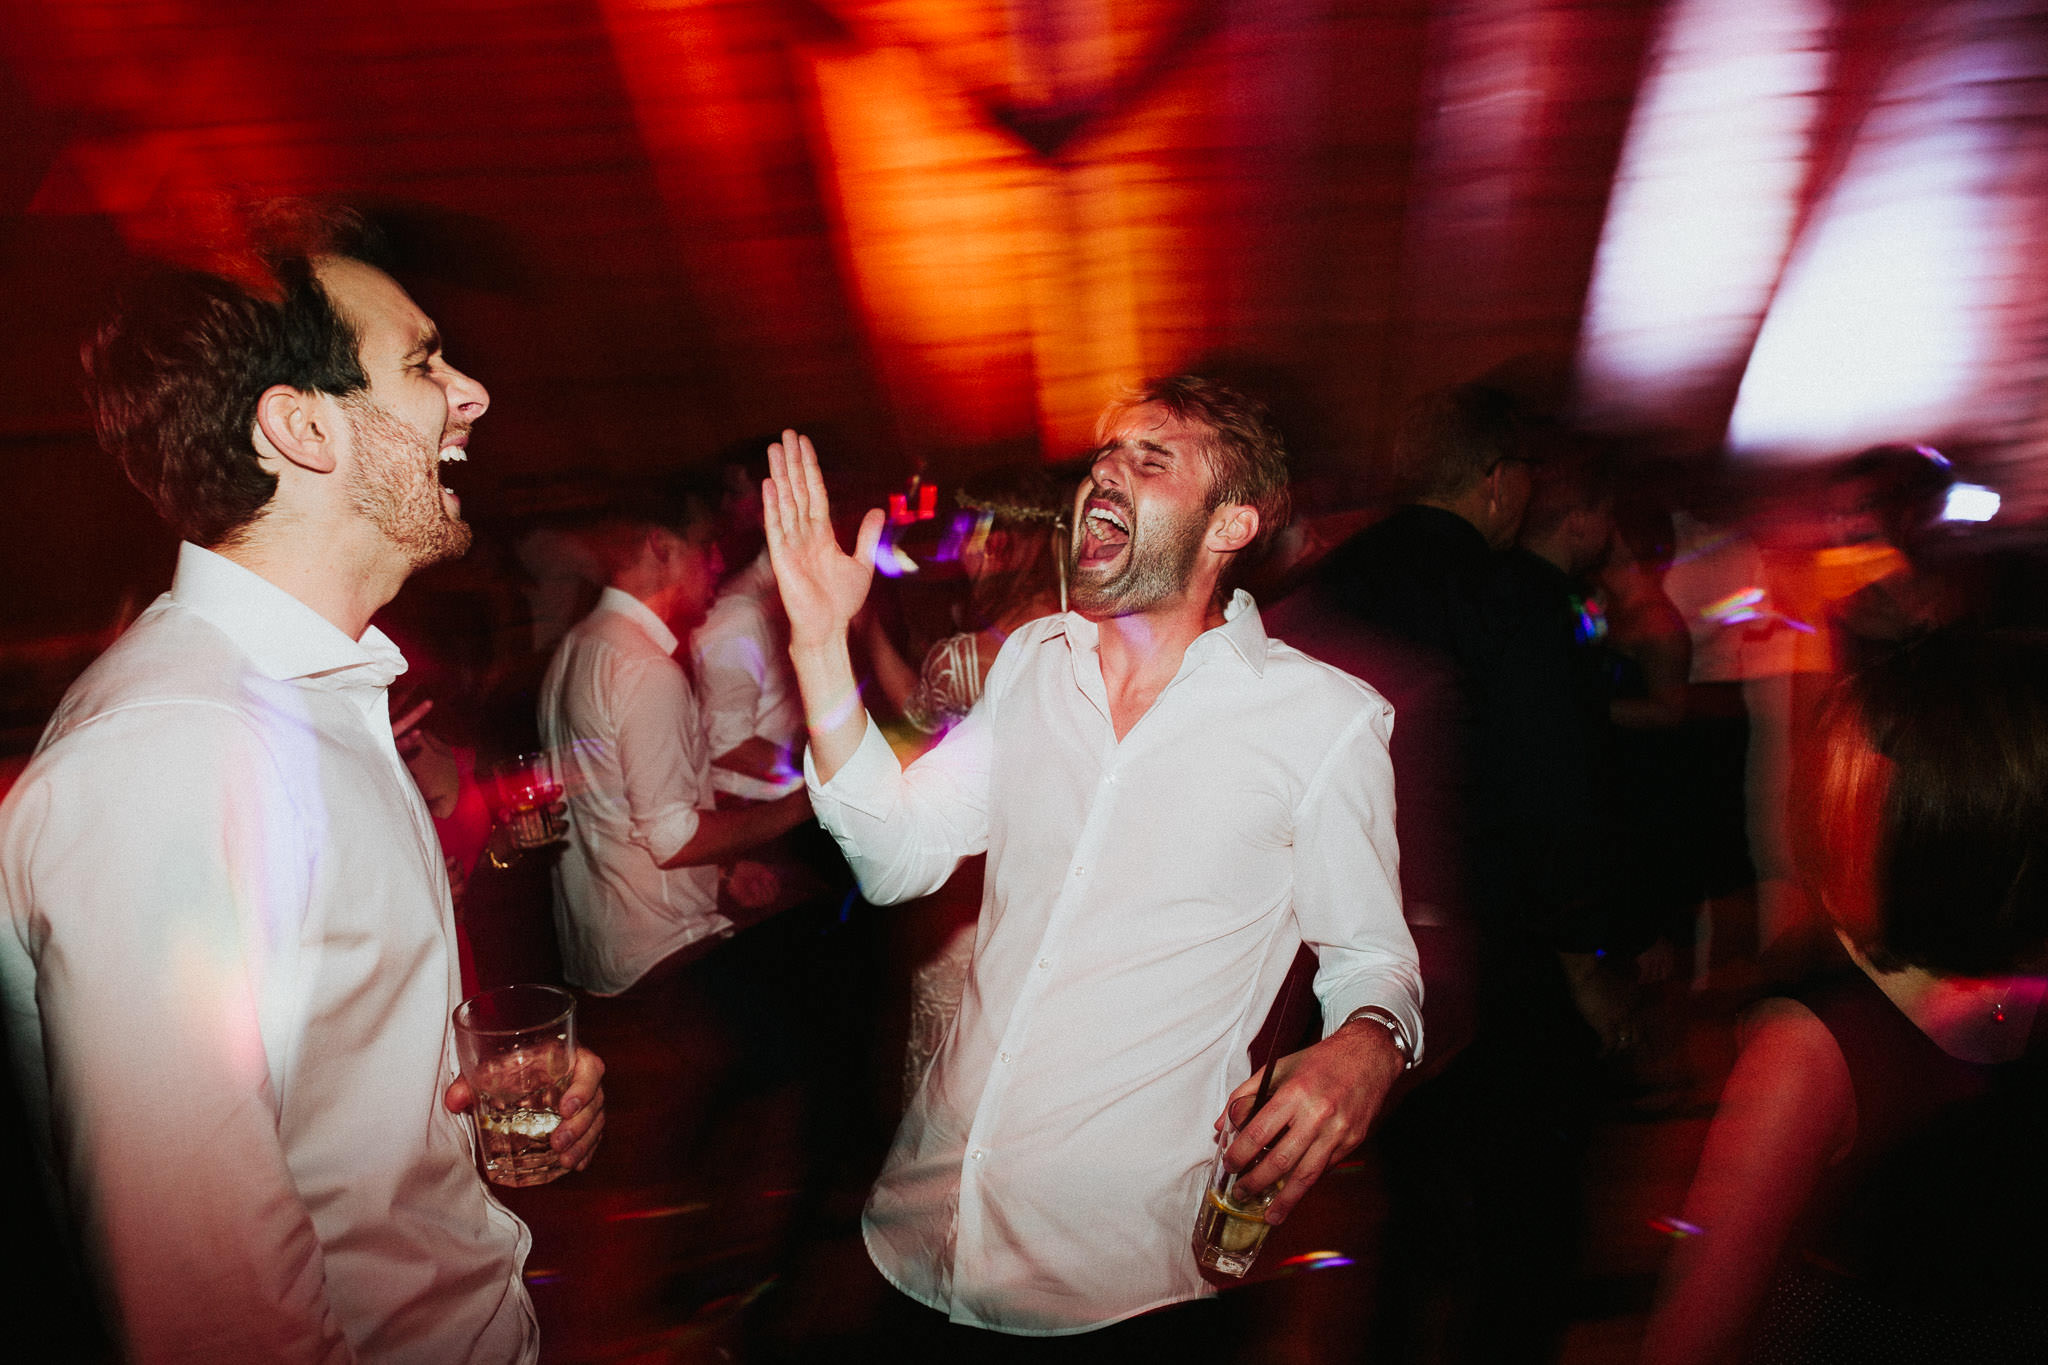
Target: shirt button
(975, 1154)
(1004, 1055)
(1079, 870)
(1044, 963)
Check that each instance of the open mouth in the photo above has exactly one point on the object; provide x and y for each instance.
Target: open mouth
(454, 451)
(1104, 532)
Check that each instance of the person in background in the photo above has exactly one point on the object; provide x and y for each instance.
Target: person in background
(636, 892)
(229, 959)
(1872, 1183)
(741, 653)
(1014, 559)
(1500, 858)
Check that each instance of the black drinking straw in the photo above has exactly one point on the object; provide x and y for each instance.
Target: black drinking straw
(1273, 1050)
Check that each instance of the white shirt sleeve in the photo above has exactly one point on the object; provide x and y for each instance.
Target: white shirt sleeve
(904, 831)
(732, 671)
(656, 716)
(159, 879)
(1347, 897)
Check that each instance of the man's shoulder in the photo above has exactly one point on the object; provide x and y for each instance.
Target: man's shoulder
(169, 701)
(735, 614)
(1293, 678)
(170, 657)
(611, 635)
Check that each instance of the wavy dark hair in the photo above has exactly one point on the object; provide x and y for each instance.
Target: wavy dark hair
(1935, 788)
(174, 376)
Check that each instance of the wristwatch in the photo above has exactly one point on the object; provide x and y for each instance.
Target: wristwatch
(1385, 1018)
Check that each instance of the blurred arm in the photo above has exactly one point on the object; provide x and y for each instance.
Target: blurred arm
(1789, 1110)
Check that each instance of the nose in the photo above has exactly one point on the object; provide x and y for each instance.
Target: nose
(1106, 469)
(466, 396)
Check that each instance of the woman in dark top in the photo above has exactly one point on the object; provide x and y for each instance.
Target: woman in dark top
(1873, 1187)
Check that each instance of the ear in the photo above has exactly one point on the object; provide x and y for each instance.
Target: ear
(1232, 527)
(299, 427)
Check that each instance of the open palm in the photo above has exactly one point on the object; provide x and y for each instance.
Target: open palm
(822, 586)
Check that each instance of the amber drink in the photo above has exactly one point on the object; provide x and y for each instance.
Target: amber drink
(1231, 1226)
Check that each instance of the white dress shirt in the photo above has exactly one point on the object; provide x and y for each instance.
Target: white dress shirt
(743, 674)
(1144, 899)
(620, 717)
(230, 960)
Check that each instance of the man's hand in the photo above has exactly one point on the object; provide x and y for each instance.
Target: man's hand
(430, 760)
(582, 1110)
(1324, 1099)
(822, 586)
(754, 885)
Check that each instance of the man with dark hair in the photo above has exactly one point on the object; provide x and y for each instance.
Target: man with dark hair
(1172, 804)
(637, 887)
(232, 960)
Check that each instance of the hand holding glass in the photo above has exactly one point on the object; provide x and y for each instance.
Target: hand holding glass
(517, 1046)
(527, 791)
(1230, 1226)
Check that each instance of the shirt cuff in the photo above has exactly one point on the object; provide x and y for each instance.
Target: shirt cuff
(667, 832)
(1404, 1006)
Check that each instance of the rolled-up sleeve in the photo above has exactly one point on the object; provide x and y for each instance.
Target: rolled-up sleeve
(1347, 896)
(903, 831)
(655, 712)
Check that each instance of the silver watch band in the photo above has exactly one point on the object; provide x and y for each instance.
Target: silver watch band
(1386, 1019)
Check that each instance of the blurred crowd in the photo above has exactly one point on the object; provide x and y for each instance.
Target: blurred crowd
(1673, 735)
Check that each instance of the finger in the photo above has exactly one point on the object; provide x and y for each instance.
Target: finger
(584, 1081)
(817, 506)
(870, 538)
(797, 455)
(1299, 1182)
(577, 1156)
(459, 1096)
(412, 717)
(773, 514)
(571, 1133)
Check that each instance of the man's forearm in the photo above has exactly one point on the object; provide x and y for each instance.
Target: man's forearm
(832, 704)
(755, 757)
(723, 835)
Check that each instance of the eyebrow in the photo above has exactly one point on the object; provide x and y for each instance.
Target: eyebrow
(429, 343)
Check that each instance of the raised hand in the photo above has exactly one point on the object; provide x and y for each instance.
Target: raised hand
(822, 586)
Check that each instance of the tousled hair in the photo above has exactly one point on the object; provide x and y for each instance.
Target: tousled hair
(174, 377)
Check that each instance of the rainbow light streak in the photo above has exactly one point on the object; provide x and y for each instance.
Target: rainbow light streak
(890, 559)
(1676, 1227)
(1704, 205)
(1886, 309)
(1316, 1260)
(1745, 605)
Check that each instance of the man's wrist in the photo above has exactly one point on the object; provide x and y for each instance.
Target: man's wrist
(1379, 1016)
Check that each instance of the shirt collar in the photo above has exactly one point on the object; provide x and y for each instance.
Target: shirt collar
(641, 615)
(282, 636)
(1242, 632)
